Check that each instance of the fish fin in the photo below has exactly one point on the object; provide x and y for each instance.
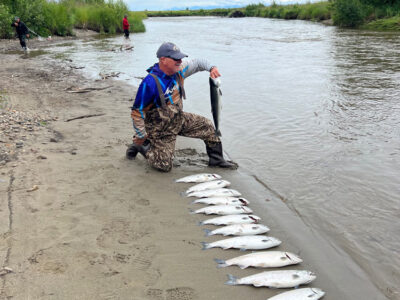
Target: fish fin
(232, 280)
(207, 231)
(205, 246)
(242, 266)
(221, 263)
(220, 92)
(218, 133)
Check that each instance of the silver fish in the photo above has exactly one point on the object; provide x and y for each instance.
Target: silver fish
(223, 210)
(210, 185)
(232, 219)
(239, 229)
(247, 242)
(204, 177)
(216, 102)
(275, 279)
(222, 201)
(300, 294)
(215, 193)
(265, 259)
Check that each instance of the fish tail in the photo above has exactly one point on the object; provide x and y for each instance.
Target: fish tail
(208, 232)
(221, 263)
(205, 246)
(200, 223)
(191, 211)
(232, 280)
(218, 132)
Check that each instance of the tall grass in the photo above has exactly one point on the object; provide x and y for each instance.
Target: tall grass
(221, 12)
(60, 17)
(309, 11)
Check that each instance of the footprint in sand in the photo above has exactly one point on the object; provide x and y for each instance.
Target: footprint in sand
(178, 293)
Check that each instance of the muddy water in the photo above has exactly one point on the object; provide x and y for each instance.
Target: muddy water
(311, 111)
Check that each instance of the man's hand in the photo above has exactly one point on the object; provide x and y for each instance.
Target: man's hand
(214, 73)
(139, 141)
(27, 35)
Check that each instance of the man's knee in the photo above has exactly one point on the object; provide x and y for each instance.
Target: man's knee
(163, 166)
(160, 162)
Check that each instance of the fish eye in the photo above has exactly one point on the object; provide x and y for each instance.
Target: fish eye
(264, 241)
(254, 227)
(283, 258)
(244, 218)
(237, 207)
(295, 276)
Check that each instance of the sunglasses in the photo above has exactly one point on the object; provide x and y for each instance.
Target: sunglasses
(174, 58)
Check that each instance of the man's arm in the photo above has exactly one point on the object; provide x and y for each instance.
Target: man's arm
(144, 100)
(192, 66)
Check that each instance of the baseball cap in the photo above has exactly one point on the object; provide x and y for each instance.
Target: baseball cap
(16, 18)
(168, 49)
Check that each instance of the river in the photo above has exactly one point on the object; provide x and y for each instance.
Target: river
(311, 111)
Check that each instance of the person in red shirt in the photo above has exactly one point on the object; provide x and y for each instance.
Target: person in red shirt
(125, 26)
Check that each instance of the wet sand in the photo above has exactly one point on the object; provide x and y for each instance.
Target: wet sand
(79, 221)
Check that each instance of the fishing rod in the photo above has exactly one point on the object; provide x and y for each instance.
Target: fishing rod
(39, 37)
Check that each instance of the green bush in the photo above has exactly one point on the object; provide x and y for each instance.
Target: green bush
(6, 31)
(348, 13)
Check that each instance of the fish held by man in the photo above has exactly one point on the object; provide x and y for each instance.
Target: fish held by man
(247, 242)
(222, 201)
(239, 229)
(265, 259)
(198, 178)
(275, 279)
(216, 102)
(300, 294)
(223, 192)
(223, 210)
(211, 185)
(232, 219)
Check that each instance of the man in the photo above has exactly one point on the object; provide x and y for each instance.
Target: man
(158, 117)
(125, 26)
(22, 32)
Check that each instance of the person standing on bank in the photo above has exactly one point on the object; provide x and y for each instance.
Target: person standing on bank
(125, 26)
(158, 117)
(22, 32)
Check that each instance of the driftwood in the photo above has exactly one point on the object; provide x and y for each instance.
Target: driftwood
(85, 90)
(85, 116)
(112, 74)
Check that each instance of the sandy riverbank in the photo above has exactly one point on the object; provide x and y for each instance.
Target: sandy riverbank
(79, 221)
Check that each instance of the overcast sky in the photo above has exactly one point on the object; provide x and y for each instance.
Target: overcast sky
(171, 4)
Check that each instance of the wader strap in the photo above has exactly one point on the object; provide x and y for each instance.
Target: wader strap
(160, 91)
(181, 88)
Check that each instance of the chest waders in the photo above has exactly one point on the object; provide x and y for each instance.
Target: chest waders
(164, 123)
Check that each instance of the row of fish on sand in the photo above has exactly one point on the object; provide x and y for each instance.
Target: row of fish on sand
(237, 219)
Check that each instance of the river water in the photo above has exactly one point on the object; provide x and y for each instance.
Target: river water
(311, 111)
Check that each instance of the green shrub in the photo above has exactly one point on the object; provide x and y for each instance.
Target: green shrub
(348, 13)
(6, 31)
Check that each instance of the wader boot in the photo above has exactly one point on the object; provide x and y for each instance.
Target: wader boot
(134, 149)
(214, 151)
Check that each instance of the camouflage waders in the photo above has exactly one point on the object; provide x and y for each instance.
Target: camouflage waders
(164, 124)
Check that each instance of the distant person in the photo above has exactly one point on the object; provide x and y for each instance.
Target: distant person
(22, 32)
(158, 116)
(125, 26)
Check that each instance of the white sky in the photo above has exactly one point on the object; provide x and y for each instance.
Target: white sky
(168, 4)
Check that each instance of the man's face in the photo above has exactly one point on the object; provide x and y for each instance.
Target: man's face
(170, 66)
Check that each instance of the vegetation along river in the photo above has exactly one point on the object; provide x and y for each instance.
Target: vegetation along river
(311, 111)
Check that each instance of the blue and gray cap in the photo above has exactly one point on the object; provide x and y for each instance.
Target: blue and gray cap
(168, 49)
